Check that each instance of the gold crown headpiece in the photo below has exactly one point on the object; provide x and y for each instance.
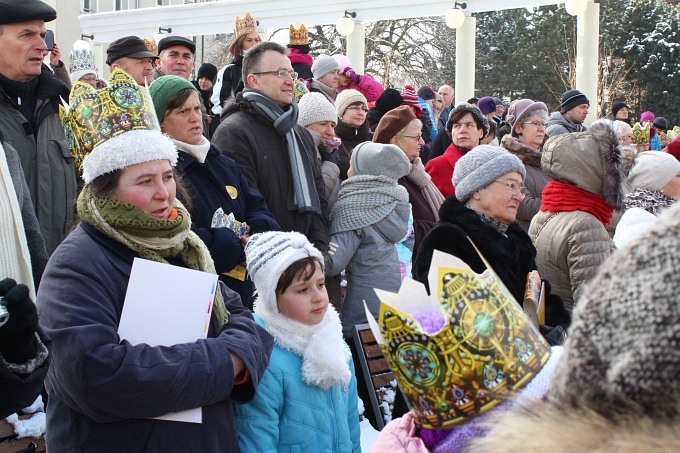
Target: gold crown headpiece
(486, 348)
(244, 26)
(298, 36)
(94, 116)
(151, 45)
(641, 134)
(673, 133)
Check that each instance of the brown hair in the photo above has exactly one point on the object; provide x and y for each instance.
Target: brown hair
(178, 99)
(302, 269)
(236, 46)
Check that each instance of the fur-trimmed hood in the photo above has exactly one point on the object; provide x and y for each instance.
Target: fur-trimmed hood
(529, 156)
(590, 160)
(544, 427)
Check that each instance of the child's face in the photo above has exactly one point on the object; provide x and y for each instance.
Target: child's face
(305, 301)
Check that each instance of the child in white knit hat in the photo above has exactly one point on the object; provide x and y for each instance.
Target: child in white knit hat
(307, 398)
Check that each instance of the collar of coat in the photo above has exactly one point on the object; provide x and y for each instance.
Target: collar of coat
(542, 427)
(526, 154)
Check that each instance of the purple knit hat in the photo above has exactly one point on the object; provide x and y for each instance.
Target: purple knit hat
(647, 116)
(519, 109)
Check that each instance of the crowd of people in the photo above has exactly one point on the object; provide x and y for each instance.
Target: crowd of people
(305, 185)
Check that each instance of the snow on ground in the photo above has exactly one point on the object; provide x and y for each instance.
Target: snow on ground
(368, 435)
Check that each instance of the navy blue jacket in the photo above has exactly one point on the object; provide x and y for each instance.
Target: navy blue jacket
(208, 184)
(103, 392)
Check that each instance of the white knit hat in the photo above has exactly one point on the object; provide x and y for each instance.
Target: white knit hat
(268, 255)
(315, 107)
(652, 170)
(347, 98)
(129, 148)
(323, 64)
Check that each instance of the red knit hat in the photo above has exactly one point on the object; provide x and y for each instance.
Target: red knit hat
(673, 148)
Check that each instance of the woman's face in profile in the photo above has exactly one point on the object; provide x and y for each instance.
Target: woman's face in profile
(150, 186)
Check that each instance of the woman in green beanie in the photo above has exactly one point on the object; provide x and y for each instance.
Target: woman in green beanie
(226, 210)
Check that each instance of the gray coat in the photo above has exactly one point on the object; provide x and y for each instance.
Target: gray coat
(45, 157)
(369, 256)
(558, 124)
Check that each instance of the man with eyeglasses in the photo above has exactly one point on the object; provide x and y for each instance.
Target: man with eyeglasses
(29, 116)
(572, 114)
(259, 131)
(467, 125)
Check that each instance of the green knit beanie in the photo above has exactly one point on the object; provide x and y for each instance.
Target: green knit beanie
(165, 87)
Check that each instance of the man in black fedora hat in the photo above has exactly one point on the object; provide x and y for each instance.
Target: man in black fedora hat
(29, 116)
(132, 56)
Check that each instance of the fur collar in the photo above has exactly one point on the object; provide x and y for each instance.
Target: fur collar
(544, 427)
(325, 355)
(526, 154)
(454, 211)
(612, 155)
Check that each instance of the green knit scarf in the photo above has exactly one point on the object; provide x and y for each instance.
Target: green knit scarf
(153, 238)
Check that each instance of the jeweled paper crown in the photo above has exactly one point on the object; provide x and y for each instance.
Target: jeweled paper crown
(95, 116)
(486, 349)
(81, 60)
(151, 45)
(641, 134)
(673, 133)
(298, 36)
(246, 25)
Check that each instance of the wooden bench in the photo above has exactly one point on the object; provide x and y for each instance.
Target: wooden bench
(10, 444)
(377, 373)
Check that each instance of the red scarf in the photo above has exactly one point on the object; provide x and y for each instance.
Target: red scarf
(296, 57)
(560, 196)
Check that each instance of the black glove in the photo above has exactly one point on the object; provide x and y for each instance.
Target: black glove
(17, 336)
(555, 336)
(333, 156)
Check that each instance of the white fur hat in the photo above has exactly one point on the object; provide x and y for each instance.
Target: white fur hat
(130, 148)
(268, 255)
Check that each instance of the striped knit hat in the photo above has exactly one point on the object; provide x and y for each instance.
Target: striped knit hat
(268, 255)
(409, 96)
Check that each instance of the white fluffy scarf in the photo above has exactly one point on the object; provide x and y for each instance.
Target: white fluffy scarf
(325, 355)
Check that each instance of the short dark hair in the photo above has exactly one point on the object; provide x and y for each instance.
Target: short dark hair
(302, 269)
(253, 60)
(457, 115)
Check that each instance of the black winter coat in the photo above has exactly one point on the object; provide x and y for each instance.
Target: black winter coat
(511, 257)
(261, 154)
(219, 183)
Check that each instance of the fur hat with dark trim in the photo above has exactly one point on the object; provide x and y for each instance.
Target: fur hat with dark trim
(590, 160)
(477, 115)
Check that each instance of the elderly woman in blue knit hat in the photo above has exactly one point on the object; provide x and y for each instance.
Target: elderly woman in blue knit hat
(489, 189)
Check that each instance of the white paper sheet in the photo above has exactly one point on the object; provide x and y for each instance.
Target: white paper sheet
(167, 305)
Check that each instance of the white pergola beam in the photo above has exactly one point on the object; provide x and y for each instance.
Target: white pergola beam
(218, 17)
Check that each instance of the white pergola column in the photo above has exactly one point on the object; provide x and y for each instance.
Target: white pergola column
(465, 60)
(587, 56)
(356, 47)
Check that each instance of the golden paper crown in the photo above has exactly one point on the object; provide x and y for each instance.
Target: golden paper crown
(486, 348)
(640, 134)
(673, 133)
(299, 36)
(151, 45)
(246, 25)
(94, 116)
